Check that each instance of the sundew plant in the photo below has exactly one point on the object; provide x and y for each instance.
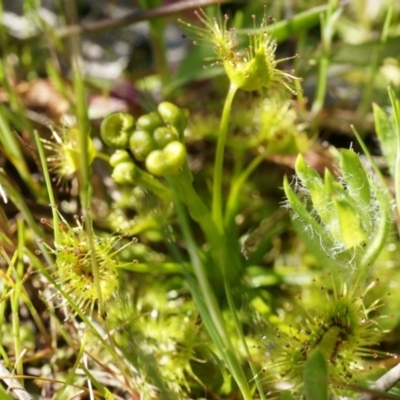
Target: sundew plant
(220, 226)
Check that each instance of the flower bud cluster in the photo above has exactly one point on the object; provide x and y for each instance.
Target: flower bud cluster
(155, 139)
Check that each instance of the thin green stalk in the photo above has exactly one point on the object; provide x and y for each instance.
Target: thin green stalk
(373, 66)
(197, 208)
(157, 34)
(152, 268)
(83, 127)
(187, 272)
(213, 308)
(15, 291)
(217, 211)
(49, 188)
(301, 48)
(149, 182)
(3, 352)
(231, 263)
(16, 296)
(297, 24)
(3, 293)
(80, 108)
(232, 202)
(370, 158)
(3, 32)
(327, 31)
(85, 188)
(239, 330)
(72, 372)
(200, 214)
(43, 330)
(103, 156)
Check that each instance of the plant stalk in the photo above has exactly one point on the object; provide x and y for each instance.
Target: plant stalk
(217, 211)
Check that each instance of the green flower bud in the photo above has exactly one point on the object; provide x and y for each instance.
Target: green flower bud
(163, 136)
(125, 173)
(149, 122)
(116, 129)
(168, 161)
(173, 115)
(141, 144)
(155, 163)
(118, 157)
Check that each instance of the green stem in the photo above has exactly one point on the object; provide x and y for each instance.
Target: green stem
(6, 281)
(219, 158)
(231, 263)
(157, 33)
(198, 299)
(157, 30)
(376, 58)
(327, 30)
(296, 25)
(162, 268)
(201, 214)
(56, 227)
(197, 209)
(371, 160)
(103, 156)
(232, 202)
(211, 303)
(238, 325)
(149, 182)
(85, 187)
(15, 299)
(321, 87)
